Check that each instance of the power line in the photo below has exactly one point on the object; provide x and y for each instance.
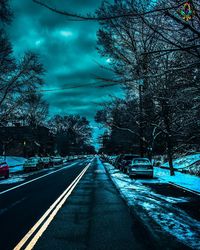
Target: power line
(76, 86)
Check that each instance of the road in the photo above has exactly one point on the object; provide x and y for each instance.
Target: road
(91, 216)
(21, 208)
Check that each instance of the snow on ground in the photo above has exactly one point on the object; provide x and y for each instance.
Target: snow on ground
(14, 160)
(15, 163)
(184, 161)
(13, 180)
(185, 180)
(150, 205)
(22, 177)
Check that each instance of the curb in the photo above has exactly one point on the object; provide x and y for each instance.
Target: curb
(184, 188)
(153, 230)
(133, 211)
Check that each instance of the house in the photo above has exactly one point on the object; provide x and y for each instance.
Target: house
(25, 141)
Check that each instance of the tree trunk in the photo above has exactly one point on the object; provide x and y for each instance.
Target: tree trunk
(169, 155)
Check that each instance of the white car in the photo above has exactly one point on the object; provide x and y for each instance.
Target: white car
(47, 162)
(140, 167)
(57, 160)
(33, 163)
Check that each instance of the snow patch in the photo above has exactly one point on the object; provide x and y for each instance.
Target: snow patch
(185, 180)
(158, 207)
(15, 163)
(12, 180)
(184, 161)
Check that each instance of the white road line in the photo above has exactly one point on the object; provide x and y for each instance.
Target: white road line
(51, 212)
(25, 183)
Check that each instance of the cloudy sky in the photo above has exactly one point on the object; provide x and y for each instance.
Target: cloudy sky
(68, 51)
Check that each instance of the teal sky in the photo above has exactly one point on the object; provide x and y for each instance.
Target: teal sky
(68, 51)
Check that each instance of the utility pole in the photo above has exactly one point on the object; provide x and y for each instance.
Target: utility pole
(141, 130)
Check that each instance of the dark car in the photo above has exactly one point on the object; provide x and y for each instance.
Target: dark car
(140, 167)
(124, 161)
(117, 161)
(4, 170)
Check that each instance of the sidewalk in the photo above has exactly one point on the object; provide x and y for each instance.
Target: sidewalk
(160, 211)
(94, 217)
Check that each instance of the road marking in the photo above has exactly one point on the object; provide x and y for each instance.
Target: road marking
(2, 211)
(51, 212)
(25, 183)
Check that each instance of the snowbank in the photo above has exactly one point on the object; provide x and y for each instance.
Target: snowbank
(184, 161)
(15, 163)
(185, 180)
(149, 205)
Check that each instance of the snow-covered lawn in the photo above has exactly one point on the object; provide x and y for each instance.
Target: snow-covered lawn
(15, 163)
(185, 180)
(184, 161)
(150, 205)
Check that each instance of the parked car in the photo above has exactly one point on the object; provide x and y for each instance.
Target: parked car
(125, 161)
(57, 160)
(4, 170)
(118, 161)
(140, 167)
(33, 163)
(47, 162)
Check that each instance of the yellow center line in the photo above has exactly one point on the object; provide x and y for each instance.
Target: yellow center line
(55, 206)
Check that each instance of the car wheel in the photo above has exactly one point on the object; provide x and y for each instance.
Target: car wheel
(6, 176)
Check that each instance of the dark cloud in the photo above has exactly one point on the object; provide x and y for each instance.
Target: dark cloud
(67, 50)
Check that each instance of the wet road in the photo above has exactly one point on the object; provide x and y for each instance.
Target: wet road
(21, 208)
(91, 213)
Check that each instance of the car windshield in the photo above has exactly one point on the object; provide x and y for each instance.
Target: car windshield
(141, 161)
(32, 160)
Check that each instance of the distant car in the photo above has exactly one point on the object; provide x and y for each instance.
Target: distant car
(57, 160)
(46, 161)
(126, 161)
(33, 163)
(4, 170)
(140, 167)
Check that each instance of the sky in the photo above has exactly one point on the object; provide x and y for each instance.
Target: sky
(68, 52)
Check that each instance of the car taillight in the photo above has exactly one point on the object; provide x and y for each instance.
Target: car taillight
(3, 167)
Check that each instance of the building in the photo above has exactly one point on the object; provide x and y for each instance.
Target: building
(26, 141)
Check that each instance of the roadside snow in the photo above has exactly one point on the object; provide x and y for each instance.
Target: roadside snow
(14, 160)
(185, 180)
(22, 177)
(12, 180)
(15, 163)
(184, 162)
(150, 205)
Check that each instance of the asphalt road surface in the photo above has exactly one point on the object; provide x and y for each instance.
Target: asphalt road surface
(91, 216)
(22, 207)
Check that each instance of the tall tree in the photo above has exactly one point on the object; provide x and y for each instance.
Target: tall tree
(73, 132)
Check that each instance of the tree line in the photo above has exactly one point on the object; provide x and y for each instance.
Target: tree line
(21, 102)
(155, 54)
